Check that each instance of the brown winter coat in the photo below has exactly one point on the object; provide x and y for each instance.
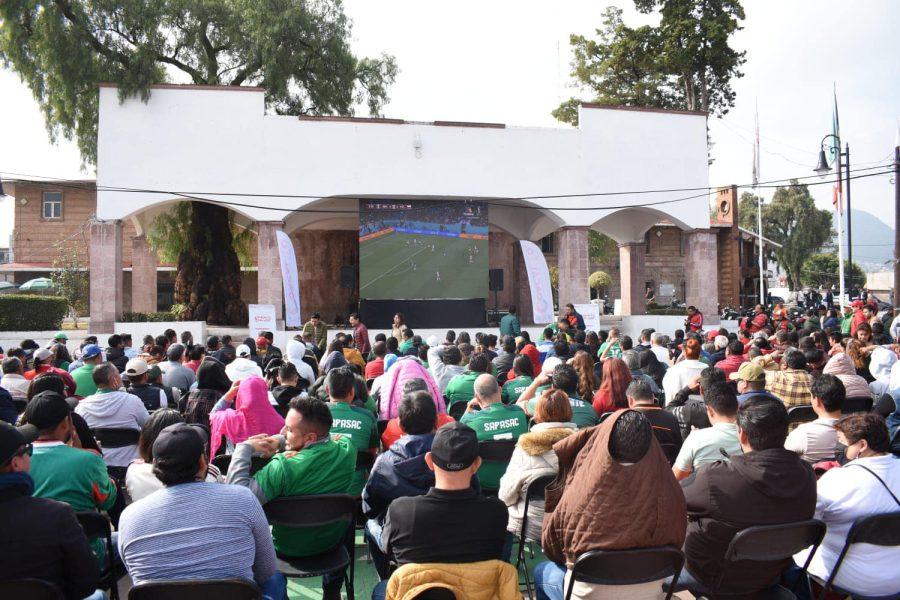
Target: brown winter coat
(597, 503)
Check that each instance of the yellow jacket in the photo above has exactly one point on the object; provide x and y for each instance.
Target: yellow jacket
(485, 580)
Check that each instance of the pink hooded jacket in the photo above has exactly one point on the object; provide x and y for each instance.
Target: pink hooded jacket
(252, 414)
(403, 370)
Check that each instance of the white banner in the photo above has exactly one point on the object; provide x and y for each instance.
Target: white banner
(262, 318)
(289, 279)
(539, 281)
(591, 314)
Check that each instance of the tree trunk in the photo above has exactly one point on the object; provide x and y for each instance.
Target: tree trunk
(209, 273)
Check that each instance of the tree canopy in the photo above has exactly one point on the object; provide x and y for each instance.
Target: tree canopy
(296, 49)
(792, 220)
(821, 270)
(685, 62)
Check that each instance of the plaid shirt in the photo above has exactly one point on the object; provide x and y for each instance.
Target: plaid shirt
(791, 385)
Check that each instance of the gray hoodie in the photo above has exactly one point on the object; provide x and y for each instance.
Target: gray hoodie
(114, 410)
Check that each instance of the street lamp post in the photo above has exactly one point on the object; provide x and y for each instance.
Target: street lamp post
(823, 168)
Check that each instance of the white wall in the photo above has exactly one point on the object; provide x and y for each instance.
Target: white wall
(220, 140)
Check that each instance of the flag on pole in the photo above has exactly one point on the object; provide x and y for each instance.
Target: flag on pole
(837, 198)
(756, 151)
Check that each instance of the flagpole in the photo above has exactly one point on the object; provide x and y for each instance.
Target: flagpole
(840, 236)
(762, 284)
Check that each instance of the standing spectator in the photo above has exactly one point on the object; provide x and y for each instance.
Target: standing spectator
(153, 397)
(175, 374)
(252, 414)
(868, 483)
(13, 379)
(683, 372)
(574, 318)
(360, 334)
(815, 441)
(766, 485)
(111, 408)
(353, 422)
(42, 362)
(611, 393)
(397, 327)
(509, 324)
(83, 376)
(225, 537)
(493, 420)
(709, 445)
(41, 537)
(243, 365)
(317, 330)
(734, 358)
(694, 321)
(115, 352)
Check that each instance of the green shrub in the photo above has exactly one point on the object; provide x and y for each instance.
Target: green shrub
(23, 312)
(140, 317)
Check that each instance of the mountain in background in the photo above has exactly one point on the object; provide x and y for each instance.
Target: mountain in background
(873, 242)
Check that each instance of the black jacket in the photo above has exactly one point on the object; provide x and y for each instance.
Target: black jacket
(41, 539)
(690, 410)
(149, 395)
(8, 410)
(117, 357)
(765, 487)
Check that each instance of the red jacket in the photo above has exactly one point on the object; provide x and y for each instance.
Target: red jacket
(758, 322)
(696, 322)
(70, 383)
(730, 364)
(375, 368)
(858, 318)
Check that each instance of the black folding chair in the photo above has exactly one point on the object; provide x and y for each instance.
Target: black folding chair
(670, 450)
(627, 567)
(33, 589)
(223, 461)
(457, 410)
(305, 512)
(534, 491)
(96, 526)
(113, 437)
(495, 451)
(766, 543)
(801, 414)
(436, 593)
(606, 415)
(382, 425)
(858, 404)
(20, 405)
(364, 460)
(880, 530)
(191, 589)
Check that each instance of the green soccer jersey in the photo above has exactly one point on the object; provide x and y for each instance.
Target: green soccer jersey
(615, 349)
(514, 388)
(325, 467)
(496, 422)
(461, 388)
(84, 381)
(360, 426)
(583, 414)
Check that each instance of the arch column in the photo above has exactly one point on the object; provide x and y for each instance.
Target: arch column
(701, 273)
(143, 275)
(268, 272)
(106, 275)
(632, 257)
(574, 267)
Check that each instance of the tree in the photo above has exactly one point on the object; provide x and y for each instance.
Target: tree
(792, 220)
(683, 63)
(821, 270)
(599, 280)
(297, 50)
(70, 278)
(601, 248)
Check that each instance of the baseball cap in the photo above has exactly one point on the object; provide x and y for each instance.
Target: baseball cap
(455, 447)
(261, 341)
(721, 341)
(857, 304)
(243, 350)
(153, 372)
(180, 444)
(42, 354)
(749, 371)
(13, 438)
(61, 336)
(47, 409)
(90, 351)
(550, 363)
(136, 366)
(711, 336)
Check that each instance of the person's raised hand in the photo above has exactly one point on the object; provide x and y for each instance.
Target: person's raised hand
(695, 383)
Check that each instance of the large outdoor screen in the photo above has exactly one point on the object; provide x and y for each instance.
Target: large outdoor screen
(422, 249)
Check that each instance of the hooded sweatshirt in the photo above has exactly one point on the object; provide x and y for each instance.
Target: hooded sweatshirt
(295, 353)
(114, 409)
(762, 487)
(841, 366)
(401, 471)
(880, 365)
(242, 368)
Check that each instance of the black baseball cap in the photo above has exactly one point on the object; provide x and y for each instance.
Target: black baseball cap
(13, 438)
(455, 447)
(47, 410)
(180, 444)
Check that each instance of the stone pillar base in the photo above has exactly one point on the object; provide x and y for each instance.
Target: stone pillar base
(105, 275)
(701, 273)
(574, 267)
(269, 286)
(143, 276)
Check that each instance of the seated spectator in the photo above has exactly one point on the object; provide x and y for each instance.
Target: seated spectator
(665, 426)
(633, 361)
(493, 420)
(601, 470)
(42, 362)
(243, 365)
(290, 385)
(153, 397)
(683, 372)
(734, 358)
(564, 378)
(13, 379)
(462, 387)
(714, 443)
(766, 485)
(140, 481)
(610, 395)
(195, 357)
(513, 388)
(309, 461)
(868, 483)
(252, 414)
(42, 537)
(352, 355)
(444, 365)
(612, 347)
(751, 382)
(841, 366)
(91, 356)
(397, 374)
(175, 374)
(115, 352)
(296, 351)
(111, 408)
(393, 431)
(470, 527)
(355, 423)
(375, 367)
(212, 384)
(505, 358)
(815, 441)
(791, 382)
(534, 457)
(651, 367)
(224, 535)
(658, 347)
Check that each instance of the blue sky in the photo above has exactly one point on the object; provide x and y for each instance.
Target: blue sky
(508, 61)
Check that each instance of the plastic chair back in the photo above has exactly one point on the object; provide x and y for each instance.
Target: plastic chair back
(219, 589)
(436, 593)
(499, 451)
(801, 414)
(881, 530)
(310, 511)
(110, 437)
(364, 460)
(774, 542)
(223, 461)
(627, 567)
(457, 410)
(33, 589)
(857, 404)
(670, 450)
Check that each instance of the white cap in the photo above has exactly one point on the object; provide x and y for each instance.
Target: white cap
(550, 363)
(721, 341)
(243, 350)
(761, 335)
(136, 366)
(433, 341)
